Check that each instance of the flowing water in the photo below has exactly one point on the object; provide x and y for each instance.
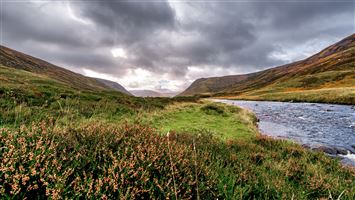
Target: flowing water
(323, 126)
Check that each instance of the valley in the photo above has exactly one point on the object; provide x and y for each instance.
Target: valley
(159, 99)
(84, 140)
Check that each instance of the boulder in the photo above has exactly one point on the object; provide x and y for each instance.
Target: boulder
(332, 150)
(341, 151)
(328, 150)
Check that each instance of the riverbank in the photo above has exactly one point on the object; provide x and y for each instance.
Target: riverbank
(212, 151)
(342, 95)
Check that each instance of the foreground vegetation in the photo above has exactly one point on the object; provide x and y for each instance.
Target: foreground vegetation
(132, 161)
(59, 142)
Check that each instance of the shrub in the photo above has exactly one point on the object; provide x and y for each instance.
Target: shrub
(213, 109)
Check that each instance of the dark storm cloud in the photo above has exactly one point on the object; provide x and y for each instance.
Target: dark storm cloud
(25, 21)
(129, 21)
(168, 37)
(246, 33)
(34, 28)
(290, 13)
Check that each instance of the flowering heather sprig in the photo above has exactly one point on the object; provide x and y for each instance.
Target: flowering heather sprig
(171, 164)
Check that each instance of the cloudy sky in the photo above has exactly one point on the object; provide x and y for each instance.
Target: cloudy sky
(165, 45)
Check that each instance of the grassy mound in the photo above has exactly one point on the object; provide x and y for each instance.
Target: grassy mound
(222, 121)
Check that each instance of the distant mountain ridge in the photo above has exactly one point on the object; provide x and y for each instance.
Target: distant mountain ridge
(145, 93)
(14, 59)
(152, 93)
(332, 68)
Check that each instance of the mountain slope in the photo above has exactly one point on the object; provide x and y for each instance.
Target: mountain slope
(213, 84)
(329, 73)
(114, 86)
(14, 59)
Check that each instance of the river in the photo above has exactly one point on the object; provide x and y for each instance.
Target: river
(328, 127)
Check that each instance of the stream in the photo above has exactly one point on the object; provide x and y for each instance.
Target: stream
(326, 127)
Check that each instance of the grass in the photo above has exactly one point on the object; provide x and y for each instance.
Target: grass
(224, 122)
(57, 142)
(27, 97)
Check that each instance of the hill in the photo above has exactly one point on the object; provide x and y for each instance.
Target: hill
(114, 86)
(17, 60)
(214, 84)
(327, 76)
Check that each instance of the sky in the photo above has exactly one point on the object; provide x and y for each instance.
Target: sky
(166, 45)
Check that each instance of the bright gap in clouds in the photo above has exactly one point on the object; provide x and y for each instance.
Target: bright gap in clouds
(140, 79)
(93, 74)
(119, 52)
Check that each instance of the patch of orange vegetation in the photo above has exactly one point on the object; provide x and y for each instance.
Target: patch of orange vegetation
(347, 81)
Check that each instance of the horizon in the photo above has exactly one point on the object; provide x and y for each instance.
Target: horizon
(161, 46)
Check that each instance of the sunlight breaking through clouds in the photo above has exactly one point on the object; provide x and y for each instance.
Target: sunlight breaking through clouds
(119, 52)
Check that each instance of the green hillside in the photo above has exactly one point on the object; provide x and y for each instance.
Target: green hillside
(328, 76)
(18, 60)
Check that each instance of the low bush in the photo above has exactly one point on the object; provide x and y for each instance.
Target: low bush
(213, 109)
